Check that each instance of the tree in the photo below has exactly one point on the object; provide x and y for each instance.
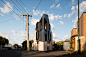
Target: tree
(55, 46)
(62, 42)
(17, 46)
(30, 43)
(24, 44)
(67, 40)
(57, 43)
(71, 42)
(60, 45)
(3, 41)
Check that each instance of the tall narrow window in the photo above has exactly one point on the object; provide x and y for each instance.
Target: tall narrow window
(36, 36)
(45, 37)
(50, 37)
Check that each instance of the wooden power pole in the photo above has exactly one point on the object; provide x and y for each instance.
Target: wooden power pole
(28, 31)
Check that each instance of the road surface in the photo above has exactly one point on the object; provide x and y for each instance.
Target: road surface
(11, 53)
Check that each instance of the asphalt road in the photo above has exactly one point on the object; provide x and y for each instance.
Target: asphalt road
(21, 53)
(57, 53)
(45, 54)
(11, 53)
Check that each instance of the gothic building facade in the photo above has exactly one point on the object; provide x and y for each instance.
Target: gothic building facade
(42, 35)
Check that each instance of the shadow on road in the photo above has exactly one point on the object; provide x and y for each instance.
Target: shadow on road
(71, 55)
(11, 53)
(46, 54)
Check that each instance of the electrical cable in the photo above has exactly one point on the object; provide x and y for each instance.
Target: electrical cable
(7, 20)
(17, 6)
(13, 11)
(24, 6)
(21, 6)
(37, 7)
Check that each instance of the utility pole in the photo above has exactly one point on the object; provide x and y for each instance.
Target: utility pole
(78, 31)
(28, 31)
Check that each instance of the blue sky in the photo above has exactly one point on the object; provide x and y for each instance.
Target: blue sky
(62, 16)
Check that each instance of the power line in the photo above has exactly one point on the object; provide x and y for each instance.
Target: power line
(21, 6)
(13, 11)
(17, 30)
(24, 6)
(7, 20)
(37, 6)
(17, 6)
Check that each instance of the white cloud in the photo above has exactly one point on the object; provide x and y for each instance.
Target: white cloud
(11, 21)
(73, 8)
(54, 35)
(56, 17)
(52, 26)
(58, 6)
(60, 17)
(31, 36)
(75, 21)
(22, 34)
(5, 34)
(52, 6)
(19, 43)
(1, 14)
(69, 15)
(36, 12)
(16, 17)
(12, 42)
(47, 12)
(41, 13)
(34, 7)
(73, 2)
(56, 1)
(82, 6)
(34, 21)
(65, 15)
(61, 23)
(15, 39)
(52, 17)
(6, 9)
(73, 12)
(66, 36)
(14, 32)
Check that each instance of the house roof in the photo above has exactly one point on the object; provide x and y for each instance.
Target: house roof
(73, 36)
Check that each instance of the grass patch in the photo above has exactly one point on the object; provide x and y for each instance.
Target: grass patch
(29, 51)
